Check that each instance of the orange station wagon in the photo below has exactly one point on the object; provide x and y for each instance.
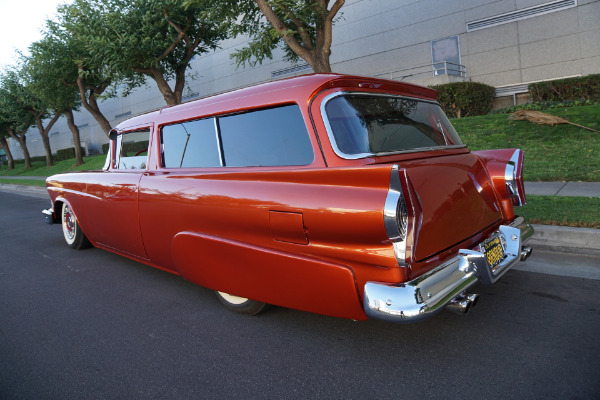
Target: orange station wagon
(341, 195)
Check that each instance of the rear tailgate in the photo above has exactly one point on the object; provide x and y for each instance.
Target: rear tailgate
(457, 201)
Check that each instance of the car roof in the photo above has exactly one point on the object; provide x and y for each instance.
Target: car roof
(300, 89)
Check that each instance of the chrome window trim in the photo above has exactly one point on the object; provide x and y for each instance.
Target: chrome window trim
(219, 141)
(343, 155)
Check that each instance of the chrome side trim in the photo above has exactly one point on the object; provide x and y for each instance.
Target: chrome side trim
(431, 292)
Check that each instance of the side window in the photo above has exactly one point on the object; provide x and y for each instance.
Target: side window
(268, 137)
(190, 144)
(131, 150)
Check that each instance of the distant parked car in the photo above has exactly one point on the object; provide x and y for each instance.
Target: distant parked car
(340, 195)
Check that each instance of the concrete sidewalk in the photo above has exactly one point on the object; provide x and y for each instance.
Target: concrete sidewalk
(575, 189)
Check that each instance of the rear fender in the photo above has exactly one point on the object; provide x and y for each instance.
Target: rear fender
(505, 169)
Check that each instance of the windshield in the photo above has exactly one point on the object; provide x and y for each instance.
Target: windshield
(369, 124)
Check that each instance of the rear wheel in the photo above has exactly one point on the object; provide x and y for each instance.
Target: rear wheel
(72, 231)
(241, 304)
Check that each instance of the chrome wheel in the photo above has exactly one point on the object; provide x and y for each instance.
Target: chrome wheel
(73, 234)
(68, 224)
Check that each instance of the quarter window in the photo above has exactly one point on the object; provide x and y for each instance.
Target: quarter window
(269, 137)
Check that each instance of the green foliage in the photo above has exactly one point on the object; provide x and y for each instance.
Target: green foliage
(75, 36)
(301, 28)
(546, 105)
(136, 39)
(131, 148)
(51, 73)
(461, 99)
(66, 154)
(582, 88)
(15, 103)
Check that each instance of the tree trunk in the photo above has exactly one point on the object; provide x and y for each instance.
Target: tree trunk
(6, 148)
(20, 137)
(320, 63)
(171, 98)
(44, 133)
(76, 139)
(91, 105)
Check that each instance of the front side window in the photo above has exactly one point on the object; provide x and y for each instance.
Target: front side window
(131, 150)
(360, 125)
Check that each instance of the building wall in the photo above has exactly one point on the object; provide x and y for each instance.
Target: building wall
(393, 39)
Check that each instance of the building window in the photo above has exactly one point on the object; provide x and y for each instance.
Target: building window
(445, 56)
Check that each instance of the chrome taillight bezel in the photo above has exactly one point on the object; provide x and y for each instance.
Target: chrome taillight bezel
(513, 177)
(399, 215)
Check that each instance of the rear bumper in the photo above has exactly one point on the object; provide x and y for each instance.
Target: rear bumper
(426, 295)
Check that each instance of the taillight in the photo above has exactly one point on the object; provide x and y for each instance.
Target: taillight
(513, 177)
(399, 215)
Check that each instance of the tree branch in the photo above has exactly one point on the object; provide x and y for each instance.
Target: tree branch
(301, 26)
(282, 29)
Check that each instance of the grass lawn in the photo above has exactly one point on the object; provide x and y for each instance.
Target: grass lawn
(563, 211)
(27, 182)
(552, 153)
(39, 167)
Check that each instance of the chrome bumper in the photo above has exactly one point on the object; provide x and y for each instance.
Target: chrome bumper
(49, 216)
(426, 295)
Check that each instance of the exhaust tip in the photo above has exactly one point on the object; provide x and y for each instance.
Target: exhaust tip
(525, 252)
(462, 303)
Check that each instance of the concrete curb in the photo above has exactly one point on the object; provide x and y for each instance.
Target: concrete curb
(25, 190)
(584, 241)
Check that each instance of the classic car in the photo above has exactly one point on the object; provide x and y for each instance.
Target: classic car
(341, 195)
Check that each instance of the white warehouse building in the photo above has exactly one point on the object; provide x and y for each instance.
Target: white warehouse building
(503, 43)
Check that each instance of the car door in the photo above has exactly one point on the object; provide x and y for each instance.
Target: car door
(113, 203)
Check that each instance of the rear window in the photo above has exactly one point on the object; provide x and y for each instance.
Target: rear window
(360, 125)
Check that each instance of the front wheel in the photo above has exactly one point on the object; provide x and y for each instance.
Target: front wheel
(241, 304)
(72, 232)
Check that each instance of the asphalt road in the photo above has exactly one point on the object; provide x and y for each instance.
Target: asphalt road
(93, 325)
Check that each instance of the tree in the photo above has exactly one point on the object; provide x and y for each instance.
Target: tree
(148, 38)
(28, 100)
(47, 71)
(305, 27)
(91, 76)
(4, 145)
(15, 117)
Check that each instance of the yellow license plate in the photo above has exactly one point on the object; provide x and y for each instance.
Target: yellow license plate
(493, 250)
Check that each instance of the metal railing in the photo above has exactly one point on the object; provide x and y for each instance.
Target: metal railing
(421, 71)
